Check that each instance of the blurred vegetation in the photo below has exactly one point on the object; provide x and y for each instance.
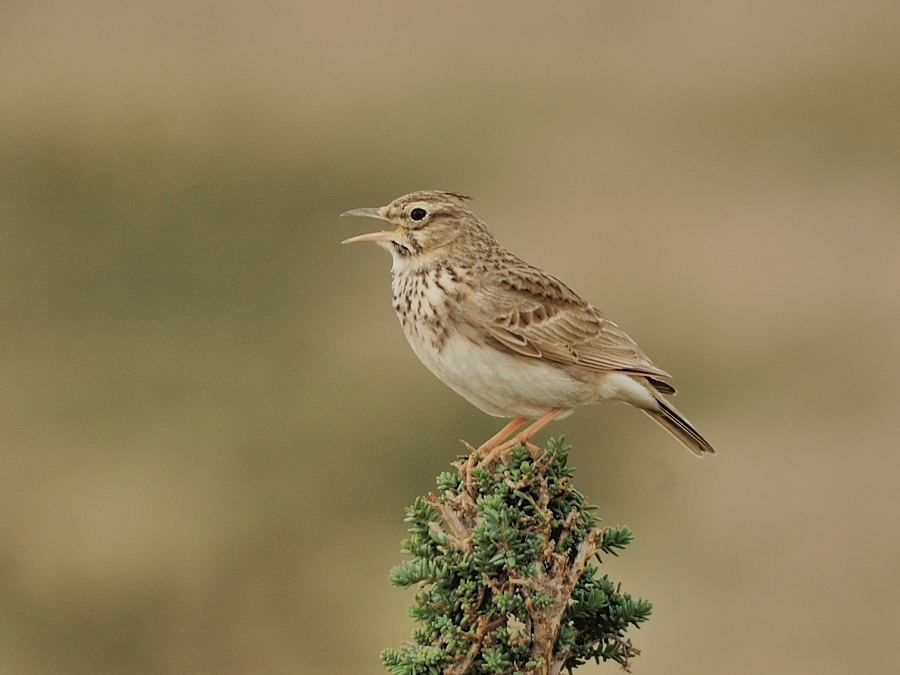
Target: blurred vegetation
(191, 368)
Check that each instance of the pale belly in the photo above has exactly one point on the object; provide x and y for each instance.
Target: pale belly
(501, 384)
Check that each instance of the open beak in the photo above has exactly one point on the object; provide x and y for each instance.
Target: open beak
(372, 236)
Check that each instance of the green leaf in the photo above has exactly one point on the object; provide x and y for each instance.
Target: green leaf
(527, 516)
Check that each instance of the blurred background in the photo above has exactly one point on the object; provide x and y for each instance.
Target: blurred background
(210, 423)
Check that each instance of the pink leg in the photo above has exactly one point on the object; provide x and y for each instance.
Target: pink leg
(530, 431)
(486, 447)
(522, 438)
(501, 435)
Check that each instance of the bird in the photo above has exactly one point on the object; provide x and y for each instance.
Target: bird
(511, 339)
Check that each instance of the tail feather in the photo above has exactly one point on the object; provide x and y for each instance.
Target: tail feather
(672, 421)
(661, 387)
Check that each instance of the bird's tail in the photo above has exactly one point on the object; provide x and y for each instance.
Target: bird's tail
(668, 417)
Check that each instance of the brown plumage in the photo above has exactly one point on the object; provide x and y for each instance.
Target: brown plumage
(510, 338)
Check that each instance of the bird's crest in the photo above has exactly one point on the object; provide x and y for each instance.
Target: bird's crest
(457, 195)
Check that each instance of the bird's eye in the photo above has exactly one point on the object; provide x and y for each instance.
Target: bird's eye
(418, 214)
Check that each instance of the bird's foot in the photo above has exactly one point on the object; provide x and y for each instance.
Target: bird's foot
(486, 450)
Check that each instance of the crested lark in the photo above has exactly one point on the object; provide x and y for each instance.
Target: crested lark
(506, 336)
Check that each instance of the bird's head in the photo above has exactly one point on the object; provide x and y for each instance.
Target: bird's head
(424, 223)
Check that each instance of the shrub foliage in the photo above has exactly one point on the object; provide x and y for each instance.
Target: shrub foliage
(506, 557)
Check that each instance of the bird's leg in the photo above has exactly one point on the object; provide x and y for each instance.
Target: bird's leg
(522, 438)
(501, 435)
(536, 426)
(486, 447)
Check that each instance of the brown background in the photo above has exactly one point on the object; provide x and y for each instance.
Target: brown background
(209, 420)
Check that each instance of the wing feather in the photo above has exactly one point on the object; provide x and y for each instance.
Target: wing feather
(534, 314)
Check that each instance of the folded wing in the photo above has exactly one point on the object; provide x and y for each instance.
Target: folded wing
(534, 314)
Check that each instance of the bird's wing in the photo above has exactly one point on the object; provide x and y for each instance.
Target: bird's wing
(534, 314)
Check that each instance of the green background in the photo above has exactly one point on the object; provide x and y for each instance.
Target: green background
(210, 422)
